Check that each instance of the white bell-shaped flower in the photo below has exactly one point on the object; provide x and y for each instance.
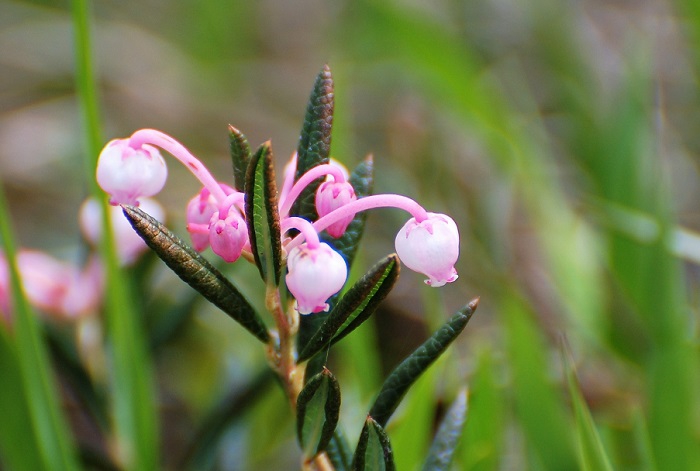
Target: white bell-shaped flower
(430, 247)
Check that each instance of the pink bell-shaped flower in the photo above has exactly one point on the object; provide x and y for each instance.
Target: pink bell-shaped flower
(430, 247)
(314, 275)
(228, 236)
(330, 196)
(200, 210)
(128, 174)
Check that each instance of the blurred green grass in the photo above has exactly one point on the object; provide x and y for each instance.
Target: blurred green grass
(535, 124)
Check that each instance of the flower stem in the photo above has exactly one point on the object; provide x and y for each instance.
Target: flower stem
(305, 180)
(180, 152)
(305, 228)
(363, 204)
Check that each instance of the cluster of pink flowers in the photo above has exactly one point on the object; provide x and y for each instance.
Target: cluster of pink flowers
(63, 289)
(131, 169)
(55, 287)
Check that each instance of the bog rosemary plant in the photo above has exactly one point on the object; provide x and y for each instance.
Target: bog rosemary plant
(302, 238)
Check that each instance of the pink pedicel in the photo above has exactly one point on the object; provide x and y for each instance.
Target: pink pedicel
(330, 196)
(314, 275)
(430, 247)
(127, 173)
(129, 245)
(200, 210)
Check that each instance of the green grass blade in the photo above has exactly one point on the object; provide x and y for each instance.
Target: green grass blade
(132, 390)
(16, 432)
(52, 435)
(592, 454)
(540, 410)
(484, 434)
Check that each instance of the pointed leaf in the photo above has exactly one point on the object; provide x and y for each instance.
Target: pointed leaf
(262, 216)
(339, 452)
(240, 156)
(447, 438)
(315, 141)
(358, 304)
(592, 454)
(318, 409)
(196, 271)
(412, 367)
(362, 180)
(373, 451)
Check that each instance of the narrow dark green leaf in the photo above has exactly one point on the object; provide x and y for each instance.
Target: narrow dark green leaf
(362, 180)
(447, 438)
(196, 271)
(240, 156)
(592, 454)
(412, 367)
(339, 451)
(358, 304)
(318, 409)
(373, 451)
(315, 140)
(262, 216)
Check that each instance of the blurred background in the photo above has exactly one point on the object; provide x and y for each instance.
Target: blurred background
(561, 136)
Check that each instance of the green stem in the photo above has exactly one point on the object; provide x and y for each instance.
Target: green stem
(132, 389)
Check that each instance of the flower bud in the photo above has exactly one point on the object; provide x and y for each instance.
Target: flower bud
(129, 244)
(430, 247)
(330, 196)
(228, 236)
(128, 174)
(314, 275)
(200, 209)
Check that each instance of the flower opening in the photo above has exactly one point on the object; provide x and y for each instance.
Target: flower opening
(314, 275)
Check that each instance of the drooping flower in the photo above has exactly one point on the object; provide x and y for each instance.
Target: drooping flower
(430, 247)
(129, 244)
(58, 287)
(128, 173)
(200, 210)
(330, 196)
(314, 275)
(228, 236)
